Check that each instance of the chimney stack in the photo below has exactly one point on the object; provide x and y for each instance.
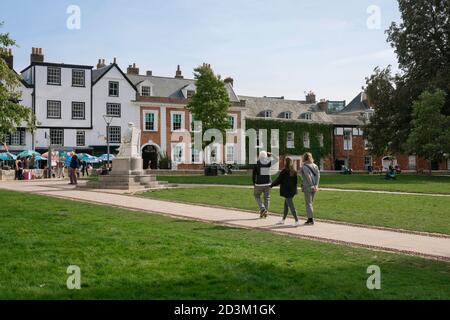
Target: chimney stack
(36, 55)
(6, 54)
(323, 105)
(178, 74)
(310, 97)
(132, 69)
(229, 80)
(101, 63)
(149, 73)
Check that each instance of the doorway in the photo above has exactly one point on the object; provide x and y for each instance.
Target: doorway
(150, 157)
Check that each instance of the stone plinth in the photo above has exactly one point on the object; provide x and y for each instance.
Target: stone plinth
(127, 174)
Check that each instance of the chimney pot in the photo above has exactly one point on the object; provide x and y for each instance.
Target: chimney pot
(8, 57)
(133, 69)
(101, 63)
(36, 55)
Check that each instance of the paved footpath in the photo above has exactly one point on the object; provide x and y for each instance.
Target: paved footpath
(423, 245)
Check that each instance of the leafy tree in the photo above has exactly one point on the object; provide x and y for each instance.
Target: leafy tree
(12, 114)
(210, 102)
(421, 42)
(430, 133)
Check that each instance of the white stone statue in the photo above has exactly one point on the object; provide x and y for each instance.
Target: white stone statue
(130, 146)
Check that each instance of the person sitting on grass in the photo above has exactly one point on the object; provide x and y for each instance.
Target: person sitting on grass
(287, 180)
(391, 174)
(262, 181)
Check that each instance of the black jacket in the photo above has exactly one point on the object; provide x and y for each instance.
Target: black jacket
(261, 173)
(287, 183)
(74, 162)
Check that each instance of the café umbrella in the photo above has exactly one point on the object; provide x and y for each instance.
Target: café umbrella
(104, 157)
(28, 153)
(7, 156)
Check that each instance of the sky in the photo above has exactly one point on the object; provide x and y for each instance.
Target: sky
(270, 47)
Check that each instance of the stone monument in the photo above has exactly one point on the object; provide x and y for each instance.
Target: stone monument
(129, 160)
(127, 168)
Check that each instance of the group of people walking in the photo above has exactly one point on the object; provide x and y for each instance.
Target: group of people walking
(288, 182)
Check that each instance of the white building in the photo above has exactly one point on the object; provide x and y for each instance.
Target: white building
(69, 102)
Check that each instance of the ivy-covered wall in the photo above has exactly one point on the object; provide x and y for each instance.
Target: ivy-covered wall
(299, 128)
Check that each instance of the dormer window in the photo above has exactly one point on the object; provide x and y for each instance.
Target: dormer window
(287, 115)
(146, 91)
(190, 94)
(268, 114)
(306, 116)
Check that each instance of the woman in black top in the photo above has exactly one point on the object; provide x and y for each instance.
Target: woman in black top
(287, 180)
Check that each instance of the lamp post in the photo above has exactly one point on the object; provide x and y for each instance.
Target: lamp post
(108, 120)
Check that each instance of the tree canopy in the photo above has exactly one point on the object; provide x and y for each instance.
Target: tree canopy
(12, 114)
(421, 42)
(210, 102)
(430, 129)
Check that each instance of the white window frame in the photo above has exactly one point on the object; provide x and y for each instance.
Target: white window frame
(268, 114)
(288, 115)
(290, 144)
(54, 76)
(117, 89)
(81, 135)
(155, 120)
(274, 139)
(53, 109)
(172, 114)
(149, 93)
(119, 134)
(348, 143)
(306, 140)
(59, 135)
(339, 131)
(195, 158)
(410, 166)
(81, 112)
(320, 137)
(228, 159)
(235, 119)
(307, 116)
(191, 123)
(174, 150)
(78, 78)
(113, 105)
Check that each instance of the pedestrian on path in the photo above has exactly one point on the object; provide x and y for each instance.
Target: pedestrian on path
(262, 181)
(73, 169)
(310, 184)
(287, 180)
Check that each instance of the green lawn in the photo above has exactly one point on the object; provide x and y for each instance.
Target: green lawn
(420, 213)
(131, 255)
(405, 182)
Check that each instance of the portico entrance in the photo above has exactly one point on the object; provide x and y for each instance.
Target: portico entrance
(150, 157)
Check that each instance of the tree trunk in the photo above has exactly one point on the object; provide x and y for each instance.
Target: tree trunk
(430, 164)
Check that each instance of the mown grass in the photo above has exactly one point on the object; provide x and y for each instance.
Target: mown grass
(410, 212)
(132, 255)
(404, 182)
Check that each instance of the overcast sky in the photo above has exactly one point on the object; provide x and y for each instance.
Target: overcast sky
(270, 48)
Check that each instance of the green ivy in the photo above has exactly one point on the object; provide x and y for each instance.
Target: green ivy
(299, 128)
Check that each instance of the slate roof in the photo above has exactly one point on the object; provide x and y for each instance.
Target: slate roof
(257, 106)
(172, 87)
(358, 104)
